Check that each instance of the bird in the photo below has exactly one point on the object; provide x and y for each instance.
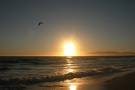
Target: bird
(40, 23)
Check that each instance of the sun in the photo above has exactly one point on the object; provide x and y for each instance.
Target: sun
(69, 49)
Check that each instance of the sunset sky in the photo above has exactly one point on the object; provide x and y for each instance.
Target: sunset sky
(95, 26)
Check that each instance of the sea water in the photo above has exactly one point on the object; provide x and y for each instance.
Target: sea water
(28, 71)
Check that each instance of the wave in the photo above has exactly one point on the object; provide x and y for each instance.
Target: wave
(57, 78)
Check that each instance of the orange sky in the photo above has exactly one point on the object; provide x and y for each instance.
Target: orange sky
(58, 53)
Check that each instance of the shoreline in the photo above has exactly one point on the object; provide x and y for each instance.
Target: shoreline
(125, 82)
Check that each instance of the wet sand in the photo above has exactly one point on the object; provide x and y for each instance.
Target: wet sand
(125, 82)
(74, 84)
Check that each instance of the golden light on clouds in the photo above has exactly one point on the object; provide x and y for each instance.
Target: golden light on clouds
(69, 49)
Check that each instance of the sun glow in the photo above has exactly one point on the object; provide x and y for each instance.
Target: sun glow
(69, 49)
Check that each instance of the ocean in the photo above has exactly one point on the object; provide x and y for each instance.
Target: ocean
(60, 73)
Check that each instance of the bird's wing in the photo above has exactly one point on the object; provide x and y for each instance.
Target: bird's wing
(40, 23)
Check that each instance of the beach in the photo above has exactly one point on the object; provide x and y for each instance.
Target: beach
(122, 82)
(61, 73)
(67, 44)
(125, 82)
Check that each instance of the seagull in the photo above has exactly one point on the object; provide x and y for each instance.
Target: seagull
(40, 23)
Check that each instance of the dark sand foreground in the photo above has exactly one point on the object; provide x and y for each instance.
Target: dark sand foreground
(125, 82)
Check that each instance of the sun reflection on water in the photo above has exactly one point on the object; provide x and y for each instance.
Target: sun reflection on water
(72, 86)
(70, 69)
(69, 66)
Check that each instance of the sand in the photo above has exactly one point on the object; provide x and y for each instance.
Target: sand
(122, 82)
(125, 82)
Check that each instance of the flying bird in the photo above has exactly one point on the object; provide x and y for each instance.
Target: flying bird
(40, 23)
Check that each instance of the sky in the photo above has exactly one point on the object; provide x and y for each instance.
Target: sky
(93, 25)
